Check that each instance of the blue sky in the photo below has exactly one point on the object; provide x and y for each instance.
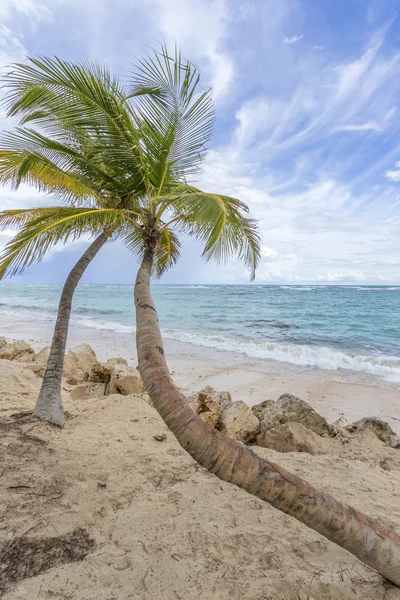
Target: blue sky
(307, 98)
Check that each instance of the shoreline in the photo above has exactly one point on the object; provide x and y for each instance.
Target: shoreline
(334, 394)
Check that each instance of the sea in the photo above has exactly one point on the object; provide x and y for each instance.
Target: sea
(328, 327)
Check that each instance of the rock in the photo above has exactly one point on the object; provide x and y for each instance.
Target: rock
(289, 409)
(43, 355)
(147, 399)
(224, 399)
(125, 380)
(264, 410)
(88, 390)
(116, 361)
(380, 428)
(207, 407)
(6, 351)
(238, 422)
(23, 352)
(38, 368)
(78, 363)
(16, 380)
(19, 350)
(292, 437)
(100, 373)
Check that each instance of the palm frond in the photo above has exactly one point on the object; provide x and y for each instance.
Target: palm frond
(167, 251)
(79, 95)
(81, 101)
(218, 221)
(176, 117)
(50, 226)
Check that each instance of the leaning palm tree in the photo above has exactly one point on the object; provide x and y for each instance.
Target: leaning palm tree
(172, 145)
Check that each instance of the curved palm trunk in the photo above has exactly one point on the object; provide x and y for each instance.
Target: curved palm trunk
(49, 406)
(370, 541)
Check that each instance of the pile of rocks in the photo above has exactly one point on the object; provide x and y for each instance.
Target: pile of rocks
(286, 425)
(103, 379)
(18, 351)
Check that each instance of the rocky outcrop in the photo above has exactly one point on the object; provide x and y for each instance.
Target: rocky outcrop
(38, 368)
(124, 380)
(207, 407)
(19, 350)
(224, 399)
(238, 422)
(116, 361)
(100, 373)
(292, 437)
(380, 428)
(43, 355)
(209, 404)
(78, 363)
(289, 409)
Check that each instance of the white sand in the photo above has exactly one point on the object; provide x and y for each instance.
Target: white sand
(163, 527)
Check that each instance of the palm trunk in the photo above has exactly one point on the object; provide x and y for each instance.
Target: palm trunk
(49, 406)
(370, 541)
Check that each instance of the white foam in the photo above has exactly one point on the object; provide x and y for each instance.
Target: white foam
(104, 325)
(387, 367)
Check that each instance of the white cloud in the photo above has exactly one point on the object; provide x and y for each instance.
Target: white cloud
(370, 126)
(200, 29)
(318, 47)
(294, 39)
(30, 8)
(394, 175)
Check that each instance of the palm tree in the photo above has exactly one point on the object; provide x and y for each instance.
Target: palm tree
(84, 151)
(87, 150)
(172, 152)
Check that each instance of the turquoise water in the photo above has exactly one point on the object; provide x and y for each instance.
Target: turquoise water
(330, 327)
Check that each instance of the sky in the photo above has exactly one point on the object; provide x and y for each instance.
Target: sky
(307, 133)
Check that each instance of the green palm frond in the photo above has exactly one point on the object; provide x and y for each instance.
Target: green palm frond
(75, 104)
(176, 117)
(218, 221)
(167, 251)
(64, 169)
(78, 95)
(49, 226)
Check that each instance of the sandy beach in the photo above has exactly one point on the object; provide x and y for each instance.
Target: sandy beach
(102, 510)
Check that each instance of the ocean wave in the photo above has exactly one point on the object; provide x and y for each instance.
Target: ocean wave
(387, 367)
(104, 325)
(375, 289)
(184, 287)
(301, 288)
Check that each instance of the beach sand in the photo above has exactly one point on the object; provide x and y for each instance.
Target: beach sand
(153, 523)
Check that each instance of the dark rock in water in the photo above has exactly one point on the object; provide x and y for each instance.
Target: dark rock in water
(380, 428)
(272, 323)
